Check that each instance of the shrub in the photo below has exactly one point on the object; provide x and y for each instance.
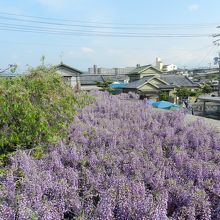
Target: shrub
(36, 109)
(122, 160)
(164, 95)
(207, 89)
(105, 86)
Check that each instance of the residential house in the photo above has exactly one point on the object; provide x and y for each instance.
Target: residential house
(142, 71)
(70, 75)
(148, 81)
(150, 86)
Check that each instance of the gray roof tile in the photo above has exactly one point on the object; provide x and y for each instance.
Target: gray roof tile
(178, 80)
(137, 83)
(64, 66)
(140, 69)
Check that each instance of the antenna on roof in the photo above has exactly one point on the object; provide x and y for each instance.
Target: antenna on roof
(61, 57)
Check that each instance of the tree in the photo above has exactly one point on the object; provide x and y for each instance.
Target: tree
(36, 109)
(164, 95)
(105, 86)
(196, 92)
(183, 92)
(206, 89)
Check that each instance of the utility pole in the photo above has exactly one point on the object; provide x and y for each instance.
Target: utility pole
(217, 60)
(218, 74)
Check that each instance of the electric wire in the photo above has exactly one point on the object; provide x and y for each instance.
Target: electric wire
(136, 27)
(9, 25)
(54, 26)
(109, 23)
(206, 55)
(37, 29)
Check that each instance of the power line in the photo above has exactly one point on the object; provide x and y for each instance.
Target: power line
(109, 23)
(65, 30)
(206, 55)
(99, 35)
(102, 47)
(96, 26)
(54, 26)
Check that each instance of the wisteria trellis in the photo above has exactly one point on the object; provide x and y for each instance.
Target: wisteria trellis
(122, 160)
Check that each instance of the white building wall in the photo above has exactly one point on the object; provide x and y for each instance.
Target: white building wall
(170, 67)
(111, 71)
(66, 73)
(159, 63)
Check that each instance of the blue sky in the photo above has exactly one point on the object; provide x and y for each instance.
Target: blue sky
(165, 17)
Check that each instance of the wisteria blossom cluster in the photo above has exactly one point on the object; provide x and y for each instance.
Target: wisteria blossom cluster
(122, 161)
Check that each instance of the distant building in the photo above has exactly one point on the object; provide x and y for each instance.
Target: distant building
(109, 71)
(169, 68)
(164, 67)
(159, 64)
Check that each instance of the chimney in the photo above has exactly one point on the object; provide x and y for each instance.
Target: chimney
(95, 69)
(116, 71)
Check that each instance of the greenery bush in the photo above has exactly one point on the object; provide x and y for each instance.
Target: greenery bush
(164, 95)
(207, 89)
(105, 86)
(36, 109)
(186, 92)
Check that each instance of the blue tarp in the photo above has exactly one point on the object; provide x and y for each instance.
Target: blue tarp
(165, 105)
(118, 86)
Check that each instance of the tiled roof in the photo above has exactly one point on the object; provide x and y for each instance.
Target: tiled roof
(171, 80)
(64, 66)
(137, 83)
(142, 68)
(178, 80)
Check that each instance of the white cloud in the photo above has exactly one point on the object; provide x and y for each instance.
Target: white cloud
(87, 50)
(193, 7)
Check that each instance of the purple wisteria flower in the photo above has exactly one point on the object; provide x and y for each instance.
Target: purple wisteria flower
(121, 161)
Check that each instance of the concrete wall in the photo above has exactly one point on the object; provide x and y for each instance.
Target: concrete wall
(89, 87)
